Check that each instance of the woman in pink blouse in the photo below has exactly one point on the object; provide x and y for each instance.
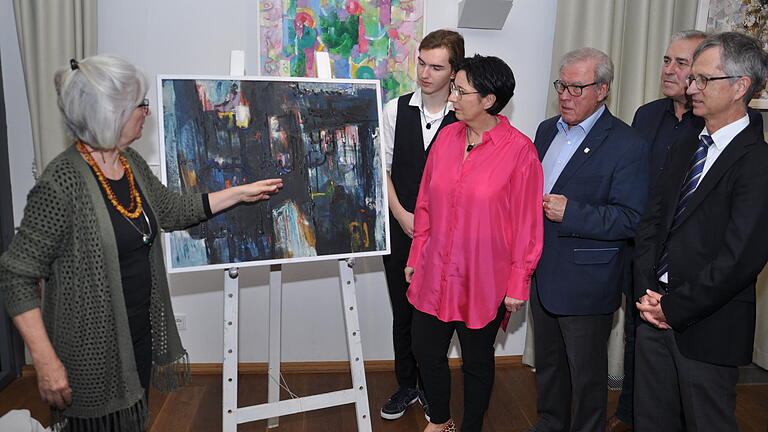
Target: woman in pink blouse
(477, 238)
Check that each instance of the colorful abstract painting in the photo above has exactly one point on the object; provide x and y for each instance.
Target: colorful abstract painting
(321, 138)
(744, 16)
(365, 39)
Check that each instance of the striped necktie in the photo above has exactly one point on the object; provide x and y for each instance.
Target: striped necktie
(689, 186)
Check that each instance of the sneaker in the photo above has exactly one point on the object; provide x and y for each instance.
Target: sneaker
(425, 405)
(399, 402)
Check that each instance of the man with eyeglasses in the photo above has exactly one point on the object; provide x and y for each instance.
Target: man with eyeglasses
(661, 122)
(410, 124)
(595, 188)
(700, 248)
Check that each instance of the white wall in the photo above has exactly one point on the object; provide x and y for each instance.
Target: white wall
(192, 36)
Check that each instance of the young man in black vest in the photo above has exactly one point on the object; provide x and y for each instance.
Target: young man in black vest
(410, 124)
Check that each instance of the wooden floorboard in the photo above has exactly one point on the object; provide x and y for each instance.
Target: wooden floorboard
(198, 407)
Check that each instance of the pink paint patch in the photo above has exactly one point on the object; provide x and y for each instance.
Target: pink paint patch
(354, 8)
(310, 59)
(362, 42)
(385, 13)
(392, 33)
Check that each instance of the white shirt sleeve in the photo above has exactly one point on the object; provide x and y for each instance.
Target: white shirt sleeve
(389, 114)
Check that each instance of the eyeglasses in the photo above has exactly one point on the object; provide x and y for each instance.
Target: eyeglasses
(144, 105)
(701, 81)
(573, 89)
(459, 92)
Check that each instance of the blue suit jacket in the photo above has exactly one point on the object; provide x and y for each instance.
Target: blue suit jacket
(583, 266)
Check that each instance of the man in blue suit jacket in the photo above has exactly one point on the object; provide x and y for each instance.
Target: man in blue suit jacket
(596, 183)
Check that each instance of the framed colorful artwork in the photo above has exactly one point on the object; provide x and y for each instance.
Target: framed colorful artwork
(365, 39)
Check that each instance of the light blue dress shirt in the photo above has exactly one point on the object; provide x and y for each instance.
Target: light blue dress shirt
(564, 146)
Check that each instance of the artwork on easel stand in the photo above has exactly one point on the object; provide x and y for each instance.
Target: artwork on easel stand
(365, 39)
(320, 137)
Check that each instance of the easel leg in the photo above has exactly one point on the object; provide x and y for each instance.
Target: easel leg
(229, 373)
(275, 309)
(354, 345)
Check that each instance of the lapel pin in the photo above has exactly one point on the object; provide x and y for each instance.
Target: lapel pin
(586, 149)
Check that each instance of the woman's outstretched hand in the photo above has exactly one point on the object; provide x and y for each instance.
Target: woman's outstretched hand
(261, 189)
(250, 192)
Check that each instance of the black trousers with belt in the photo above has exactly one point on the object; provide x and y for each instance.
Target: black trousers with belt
(431, 340)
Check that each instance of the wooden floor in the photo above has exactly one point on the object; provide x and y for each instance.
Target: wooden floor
(198, 407)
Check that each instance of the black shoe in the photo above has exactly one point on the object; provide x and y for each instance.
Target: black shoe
(399, 402)
(425, 405)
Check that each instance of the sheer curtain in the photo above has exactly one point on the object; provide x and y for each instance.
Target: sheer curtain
(760, 356)
(635, 35)
(11, 347)
(50, 33)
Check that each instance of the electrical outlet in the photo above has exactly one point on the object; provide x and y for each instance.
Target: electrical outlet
(181, 321)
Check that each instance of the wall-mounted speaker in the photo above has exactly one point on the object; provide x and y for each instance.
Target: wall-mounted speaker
(483, 14)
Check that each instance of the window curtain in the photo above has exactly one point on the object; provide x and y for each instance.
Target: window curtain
(760, 356)
(11, 346)
(635, 34)
(50, 33)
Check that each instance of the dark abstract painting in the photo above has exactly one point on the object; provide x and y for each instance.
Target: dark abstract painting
(320, 137)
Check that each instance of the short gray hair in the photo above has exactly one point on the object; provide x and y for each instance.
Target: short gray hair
(740, 55)
(603, 63)
(97, 97)
(688, 34)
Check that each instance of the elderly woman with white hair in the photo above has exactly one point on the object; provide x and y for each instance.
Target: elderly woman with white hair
(104, 325)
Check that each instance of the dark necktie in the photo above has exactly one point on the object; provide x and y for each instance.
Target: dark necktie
(689, 186)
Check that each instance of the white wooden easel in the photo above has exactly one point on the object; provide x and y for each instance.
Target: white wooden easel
(232, 415)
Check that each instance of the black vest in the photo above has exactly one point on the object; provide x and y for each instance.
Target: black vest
(409, 156)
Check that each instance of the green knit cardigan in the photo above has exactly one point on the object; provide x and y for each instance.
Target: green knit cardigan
(66, 239)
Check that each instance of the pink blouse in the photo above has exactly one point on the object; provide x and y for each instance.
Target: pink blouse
(478, 229)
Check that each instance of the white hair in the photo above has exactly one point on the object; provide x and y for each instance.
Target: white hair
(97, 97)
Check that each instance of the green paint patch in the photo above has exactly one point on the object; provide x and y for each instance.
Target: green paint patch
(365, 72)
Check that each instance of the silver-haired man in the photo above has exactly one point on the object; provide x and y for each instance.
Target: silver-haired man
(700, 248)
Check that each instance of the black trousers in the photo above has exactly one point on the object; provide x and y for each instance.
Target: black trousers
(571, 369)
(431, 340)
(406, 370)
(625, 408)
(674, 393)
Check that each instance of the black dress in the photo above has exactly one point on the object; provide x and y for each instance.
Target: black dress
(135, 271)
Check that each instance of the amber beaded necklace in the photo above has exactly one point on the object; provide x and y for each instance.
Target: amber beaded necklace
(134, 209)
